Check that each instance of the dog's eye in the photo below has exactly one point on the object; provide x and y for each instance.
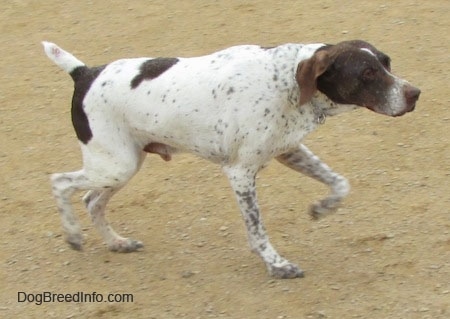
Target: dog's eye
(369, 74)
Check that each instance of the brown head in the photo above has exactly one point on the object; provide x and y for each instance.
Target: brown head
(355, 72)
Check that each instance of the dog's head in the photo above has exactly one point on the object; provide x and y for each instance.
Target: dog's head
(355, 72)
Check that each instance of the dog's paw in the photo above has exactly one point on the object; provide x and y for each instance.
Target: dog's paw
(75, 241)
(286, 271)
(126, 245)
(323, 208)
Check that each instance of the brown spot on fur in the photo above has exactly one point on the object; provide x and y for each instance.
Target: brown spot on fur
(346, 74)
(307, 73)
(83, 77)
(356, 77)
(151, 69)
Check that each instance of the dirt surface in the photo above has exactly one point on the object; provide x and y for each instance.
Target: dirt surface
(384, 254)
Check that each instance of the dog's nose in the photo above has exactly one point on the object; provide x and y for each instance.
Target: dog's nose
(411, 94)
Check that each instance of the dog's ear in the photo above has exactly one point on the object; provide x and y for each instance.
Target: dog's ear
(307, 73)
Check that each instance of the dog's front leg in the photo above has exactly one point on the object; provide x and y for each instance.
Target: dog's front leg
(304, 161)
(242, 180)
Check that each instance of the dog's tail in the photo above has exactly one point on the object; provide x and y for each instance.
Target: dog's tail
(61, 58)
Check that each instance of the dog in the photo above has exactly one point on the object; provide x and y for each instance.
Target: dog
(239, 107)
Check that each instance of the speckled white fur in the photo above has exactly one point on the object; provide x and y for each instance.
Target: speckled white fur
(238, 107)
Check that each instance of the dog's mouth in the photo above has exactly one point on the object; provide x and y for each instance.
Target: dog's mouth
(403, 112)
(389, 111)
(411, 97)
(410, 105)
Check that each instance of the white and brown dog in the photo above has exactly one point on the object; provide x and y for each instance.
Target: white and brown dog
(239, 107)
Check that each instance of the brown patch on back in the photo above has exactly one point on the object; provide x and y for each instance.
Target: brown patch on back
(151, 69)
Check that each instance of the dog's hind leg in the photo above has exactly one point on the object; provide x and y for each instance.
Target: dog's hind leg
(96, 202)
(63, 187)
(103, 175)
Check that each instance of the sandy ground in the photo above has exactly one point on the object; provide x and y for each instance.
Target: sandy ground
(384, 254)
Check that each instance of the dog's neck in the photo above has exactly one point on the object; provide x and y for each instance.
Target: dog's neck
(323, 107)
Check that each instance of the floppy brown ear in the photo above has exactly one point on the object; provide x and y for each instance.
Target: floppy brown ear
(307, 73)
